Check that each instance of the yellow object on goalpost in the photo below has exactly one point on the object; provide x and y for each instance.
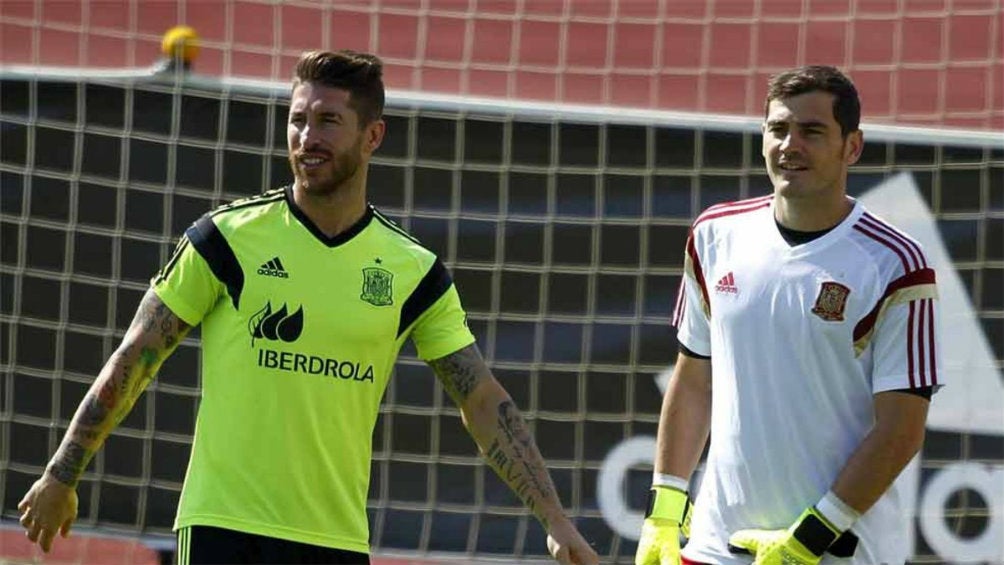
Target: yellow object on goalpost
(180, 42)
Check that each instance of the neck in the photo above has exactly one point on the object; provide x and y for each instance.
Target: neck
(335, 211)
(811, 214)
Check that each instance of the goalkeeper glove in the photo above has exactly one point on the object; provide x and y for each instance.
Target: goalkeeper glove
(801, 544)
(668, 513)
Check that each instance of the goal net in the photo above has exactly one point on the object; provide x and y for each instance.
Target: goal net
(563, 227)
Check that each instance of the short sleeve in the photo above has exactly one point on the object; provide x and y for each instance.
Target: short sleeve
(691, 316)
(442, 329)
(905, 346)
(433, 316)
(187, 285)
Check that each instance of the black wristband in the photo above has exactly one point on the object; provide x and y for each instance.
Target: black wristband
(816, 536)
(650, 503)
(844, 546)
(668, 502)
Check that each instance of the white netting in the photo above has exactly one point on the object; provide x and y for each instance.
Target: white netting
(563, 227)
(562, 224)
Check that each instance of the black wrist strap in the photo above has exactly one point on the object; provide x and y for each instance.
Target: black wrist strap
(844, 546)
(816, 536)
(668, 502)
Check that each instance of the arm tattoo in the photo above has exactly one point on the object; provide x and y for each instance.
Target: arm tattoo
(69, 463)
(515, 458)
(511, 452)
(94, 409)
(155, 315)
(154, 333)
(459, 372)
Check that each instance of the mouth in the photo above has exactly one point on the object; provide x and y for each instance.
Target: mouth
(790, 168)
(311, 161)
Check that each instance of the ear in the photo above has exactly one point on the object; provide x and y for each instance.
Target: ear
(853, 146)
(374, 135)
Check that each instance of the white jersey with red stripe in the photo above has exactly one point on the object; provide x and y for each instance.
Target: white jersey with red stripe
(800, 337)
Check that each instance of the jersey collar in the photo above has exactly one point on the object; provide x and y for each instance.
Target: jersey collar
(835, 234)
(337, 240)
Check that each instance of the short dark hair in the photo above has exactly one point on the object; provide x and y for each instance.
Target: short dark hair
(846, 104)
(359, 73)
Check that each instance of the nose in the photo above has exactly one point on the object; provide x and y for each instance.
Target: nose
(790, 143)
(309, 142)
(306, 135)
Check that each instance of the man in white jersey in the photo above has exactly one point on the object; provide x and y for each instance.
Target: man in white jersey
(807, 330)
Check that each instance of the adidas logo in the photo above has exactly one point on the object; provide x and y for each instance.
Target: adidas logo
(727, 285)
(273, 268)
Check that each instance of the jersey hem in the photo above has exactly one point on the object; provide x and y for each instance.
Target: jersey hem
(687, 340)
(272, 531)
(900, 382)
(450, 347)
(177, 305)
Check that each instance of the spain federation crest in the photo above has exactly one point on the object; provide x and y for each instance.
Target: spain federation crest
(831, 301)
(378, 287)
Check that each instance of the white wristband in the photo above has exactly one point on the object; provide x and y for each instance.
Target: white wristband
(667, 480)
(837, 512)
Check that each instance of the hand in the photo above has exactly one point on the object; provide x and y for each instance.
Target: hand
(668, 513)
(48, 507)
(568, 547)
(659, 543)
(802, 544)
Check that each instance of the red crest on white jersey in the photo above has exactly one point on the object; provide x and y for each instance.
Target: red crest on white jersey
(831, 301)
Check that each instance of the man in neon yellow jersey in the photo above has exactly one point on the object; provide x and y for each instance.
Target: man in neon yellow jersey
(305, 295)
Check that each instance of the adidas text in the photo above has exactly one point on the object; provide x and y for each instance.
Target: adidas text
(273, 268)
(273, 273)
(727, 284)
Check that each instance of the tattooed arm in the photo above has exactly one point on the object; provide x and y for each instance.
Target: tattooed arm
(153, 335)
(50, 504)
(504, 440)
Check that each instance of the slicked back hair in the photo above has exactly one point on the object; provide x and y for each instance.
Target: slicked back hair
(359, 73)
(846, 104)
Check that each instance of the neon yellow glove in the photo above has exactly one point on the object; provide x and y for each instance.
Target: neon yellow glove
(668, 513)
(801, 544)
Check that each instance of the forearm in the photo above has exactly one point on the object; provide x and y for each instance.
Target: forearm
(896, 436)
(498, 428)
(106, 403)
(685, 420)
(505, 442)
(873, 467)
(153, 335)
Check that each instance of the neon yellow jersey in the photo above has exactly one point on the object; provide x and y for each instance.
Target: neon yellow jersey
(300, 333)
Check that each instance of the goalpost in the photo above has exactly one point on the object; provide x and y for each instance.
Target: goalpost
(562, 225)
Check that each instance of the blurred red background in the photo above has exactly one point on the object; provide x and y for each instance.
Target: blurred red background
(925, 62)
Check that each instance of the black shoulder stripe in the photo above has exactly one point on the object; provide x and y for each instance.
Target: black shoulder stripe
(432, 286)
(392, 225)
(210, 243)
(178, 249)
(251, 201)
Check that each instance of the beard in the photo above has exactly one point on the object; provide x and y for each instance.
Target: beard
(327, 180)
